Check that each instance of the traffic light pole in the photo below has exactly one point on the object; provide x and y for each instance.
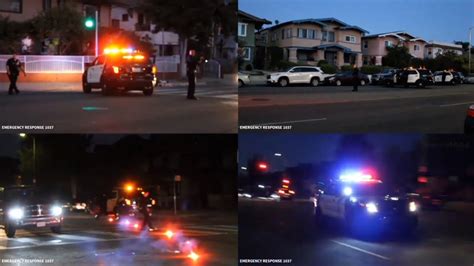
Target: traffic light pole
(96, 33)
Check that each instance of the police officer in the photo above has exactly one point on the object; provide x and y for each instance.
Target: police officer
(14, 67)
(191, 65)
(355, 78)
(143, 202)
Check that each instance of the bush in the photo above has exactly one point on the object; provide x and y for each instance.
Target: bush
(328, 69)
(370, 70)
(346, 68)
(322, 63)
(285, 64)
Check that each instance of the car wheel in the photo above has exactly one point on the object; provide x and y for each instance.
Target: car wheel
(283, 82)
(10, 230)
(86, 88)
(362, 82)
(420, 84)
(241, 83)
(338, 83)
(56, 229)
(452, 82)
(314, 82)
(106, 90)
(148, 92)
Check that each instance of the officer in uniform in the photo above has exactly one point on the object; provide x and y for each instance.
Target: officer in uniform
(191, 65)
(143, 202)
(14, 67)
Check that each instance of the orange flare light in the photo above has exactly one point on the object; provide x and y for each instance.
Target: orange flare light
(169, 234)
(193, 256)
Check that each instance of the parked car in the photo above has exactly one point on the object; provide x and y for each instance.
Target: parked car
(298, 75)
(458, 77)
(378, 77)
(346, 78)
(254, 77)
(444, 77)
(410, 77)
(469, 121)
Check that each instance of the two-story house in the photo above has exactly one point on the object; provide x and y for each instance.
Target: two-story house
(246, 27)
(434, 49)
(308, 41)
(374, 47)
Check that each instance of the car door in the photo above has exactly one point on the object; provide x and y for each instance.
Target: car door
(258, 78)
(95, 71)
(295, 75)
(328, 204)
(309, 73)
(412, 76)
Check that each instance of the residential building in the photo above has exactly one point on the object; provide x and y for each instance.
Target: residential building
(374, 46)
(308, 41)
(434, 49)
(247, 25)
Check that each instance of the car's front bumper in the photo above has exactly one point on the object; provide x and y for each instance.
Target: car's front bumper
(381, 222)
(46, 221)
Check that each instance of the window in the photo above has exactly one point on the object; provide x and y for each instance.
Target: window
(347, 58)
(13, 6)
(125, 17)
(283, 34)
(46, 4)
(350, 38)
(311, 34)
(242, 29)
(289, 34)
(274, 36)
(366, 44)
(302, 33)
(388, 44)
(416, 47)
(328, 36)
(246, 53)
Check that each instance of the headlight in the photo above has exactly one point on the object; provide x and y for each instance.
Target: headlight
(371, 207)
(16, 213)
(412, 206)
(347, 191)
(56, 210)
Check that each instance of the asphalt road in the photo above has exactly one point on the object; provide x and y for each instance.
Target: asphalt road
(63, 108)
(286, 230)
(437, 109)
(86, 241)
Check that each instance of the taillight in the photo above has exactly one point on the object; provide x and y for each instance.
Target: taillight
(116, 69)
(470, 111)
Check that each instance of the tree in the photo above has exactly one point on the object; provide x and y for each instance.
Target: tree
(11, 33)
(195, 21)
(397, 56)
(63, 24)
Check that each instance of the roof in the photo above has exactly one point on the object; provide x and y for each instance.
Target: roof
(396, 34)
(323, 22)
(444, 44)
(335, 46)
(252, 18)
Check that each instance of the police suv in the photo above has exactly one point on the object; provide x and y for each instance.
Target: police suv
(120, 70)
(364, 204)
(407, 77)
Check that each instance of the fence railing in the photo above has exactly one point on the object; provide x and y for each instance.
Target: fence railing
(212, 68)
(49, 63)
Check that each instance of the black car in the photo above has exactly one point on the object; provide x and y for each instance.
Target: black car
(346, 78)
(410, 77)
(379, 77)
(469, 121)
(27, 207)
(458, 77)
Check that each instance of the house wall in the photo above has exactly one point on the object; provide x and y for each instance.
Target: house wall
(341, 39)
(411, 48)
(376, 46)
(31, 8)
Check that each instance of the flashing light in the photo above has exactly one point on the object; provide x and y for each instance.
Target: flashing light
(277, 154)
(263, 166)
(412, 206)
(111, 219)
(139, 57)
(127, 222)
(356, 177)
(135, 226)
(129, 187)
(281, 191)
(353, 199)
(291, 192)
(169, 234)
(371, 207)
(422, 179)
(154, 70)
(285, 186)
(261, 186)
(470, 111)
(347, 191)
(286, 181)
(193, 256)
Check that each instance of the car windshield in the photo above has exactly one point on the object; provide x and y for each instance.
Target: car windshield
(27, 194)
(370, 189)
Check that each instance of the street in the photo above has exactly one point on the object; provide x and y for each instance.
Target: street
(63, 108)
(286, 230)
(86, 241)
(435, 109)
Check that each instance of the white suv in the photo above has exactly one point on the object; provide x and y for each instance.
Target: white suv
(297, 75)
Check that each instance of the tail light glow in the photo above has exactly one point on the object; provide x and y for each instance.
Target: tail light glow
(116, 69)
(470, 111)
(193, 256)
(169, 234)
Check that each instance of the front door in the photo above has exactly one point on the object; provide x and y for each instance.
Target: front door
(330, 57)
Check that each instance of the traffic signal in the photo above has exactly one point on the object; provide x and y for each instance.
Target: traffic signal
(89, 23)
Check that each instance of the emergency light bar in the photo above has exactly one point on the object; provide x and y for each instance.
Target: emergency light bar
(114, 50)
(356, 177)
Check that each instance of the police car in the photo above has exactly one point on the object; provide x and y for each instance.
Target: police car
(120, 70)
(407, 77)
(444, 77)
(364, 204)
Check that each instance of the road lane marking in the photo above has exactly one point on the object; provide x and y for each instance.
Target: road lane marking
(292, 122)
(455, 104)
(361, 250)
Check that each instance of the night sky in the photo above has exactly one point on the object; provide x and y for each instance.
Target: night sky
(439, 20)
(310, 148)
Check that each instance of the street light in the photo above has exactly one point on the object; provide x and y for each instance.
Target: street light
(23, 135)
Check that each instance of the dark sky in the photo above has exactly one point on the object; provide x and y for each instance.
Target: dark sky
(10, 143)
(309, 148)
(441, 20)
